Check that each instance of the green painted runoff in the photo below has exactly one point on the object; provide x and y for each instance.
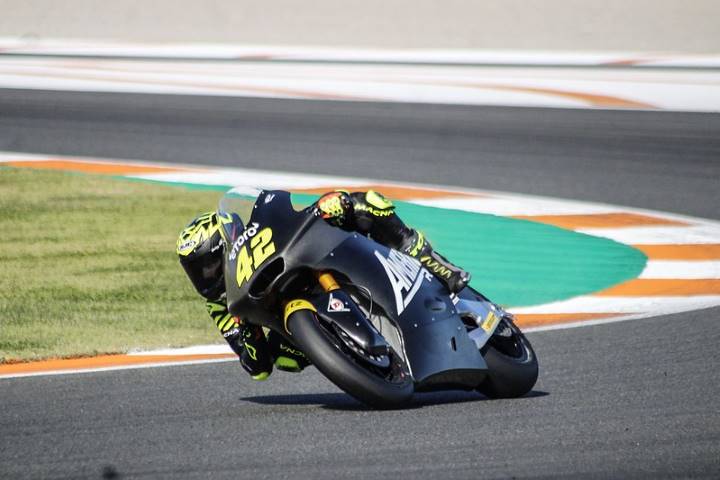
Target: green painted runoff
(519, 262)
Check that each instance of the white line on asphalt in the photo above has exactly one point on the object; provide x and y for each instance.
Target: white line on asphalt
(118, 367)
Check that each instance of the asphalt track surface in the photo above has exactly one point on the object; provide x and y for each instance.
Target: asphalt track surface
(628, 399)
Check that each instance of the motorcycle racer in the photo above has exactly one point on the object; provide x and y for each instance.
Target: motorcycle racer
(201, 253)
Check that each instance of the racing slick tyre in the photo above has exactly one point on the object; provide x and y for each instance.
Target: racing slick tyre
(391, 387)
(511, 360)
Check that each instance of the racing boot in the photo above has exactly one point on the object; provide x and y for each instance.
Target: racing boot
(256, 357)
(287, 356)
(453, 277)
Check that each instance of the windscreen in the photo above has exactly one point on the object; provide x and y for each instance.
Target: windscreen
(230, 204)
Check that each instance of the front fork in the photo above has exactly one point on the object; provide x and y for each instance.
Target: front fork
(326, 281)
(338, 309)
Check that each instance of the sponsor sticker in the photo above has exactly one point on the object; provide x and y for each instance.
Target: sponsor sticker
(216, 247)
(375, 211)
(187, 245)
(405, 275)
(336, 305)
(249, 232)
(232, 332)
(489, 322)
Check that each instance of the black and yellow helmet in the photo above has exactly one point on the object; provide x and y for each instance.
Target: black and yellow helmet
(200, 247)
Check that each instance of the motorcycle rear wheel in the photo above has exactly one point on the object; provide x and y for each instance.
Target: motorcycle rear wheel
(512, 364)
(391, 389)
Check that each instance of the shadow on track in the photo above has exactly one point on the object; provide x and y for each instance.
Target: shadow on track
(342, 401)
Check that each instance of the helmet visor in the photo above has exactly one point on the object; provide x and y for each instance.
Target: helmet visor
(205, 272)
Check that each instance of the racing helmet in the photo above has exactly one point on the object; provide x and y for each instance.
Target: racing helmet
(200, 247)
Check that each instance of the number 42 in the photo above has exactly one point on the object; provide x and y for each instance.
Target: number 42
(262, 247)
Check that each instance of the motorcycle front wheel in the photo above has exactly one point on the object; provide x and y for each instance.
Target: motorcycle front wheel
(390, 387)
(511, 360)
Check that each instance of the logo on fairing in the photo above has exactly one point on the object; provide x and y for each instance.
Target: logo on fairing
(405, 275)
(247, 234)
(336, 305)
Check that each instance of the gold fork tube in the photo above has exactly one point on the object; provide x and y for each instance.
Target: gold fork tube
(327, 281)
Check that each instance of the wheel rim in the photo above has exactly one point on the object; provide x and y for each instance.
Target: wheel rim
(395, 372)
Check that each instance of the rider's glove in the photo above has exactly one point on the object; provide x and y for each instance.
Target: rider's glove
(335, 207)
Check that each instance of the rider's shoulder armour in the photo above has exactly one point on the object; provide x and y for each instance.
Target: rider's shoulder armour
(373, 203)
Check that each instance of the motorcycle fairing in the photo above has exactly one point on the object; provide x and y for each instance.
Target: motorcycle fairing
(300, 240)
(437, 349)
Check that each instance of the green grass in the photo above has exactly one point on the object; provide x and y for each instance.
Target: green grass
(88, 266)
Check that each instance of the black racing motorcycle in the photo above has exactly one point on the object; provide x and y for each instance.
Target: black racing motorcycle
(371, 319)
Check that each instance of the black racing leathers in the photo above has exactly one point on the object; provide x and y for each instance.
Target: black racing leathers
(373, 215)
(230, 327)
(368, 213)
